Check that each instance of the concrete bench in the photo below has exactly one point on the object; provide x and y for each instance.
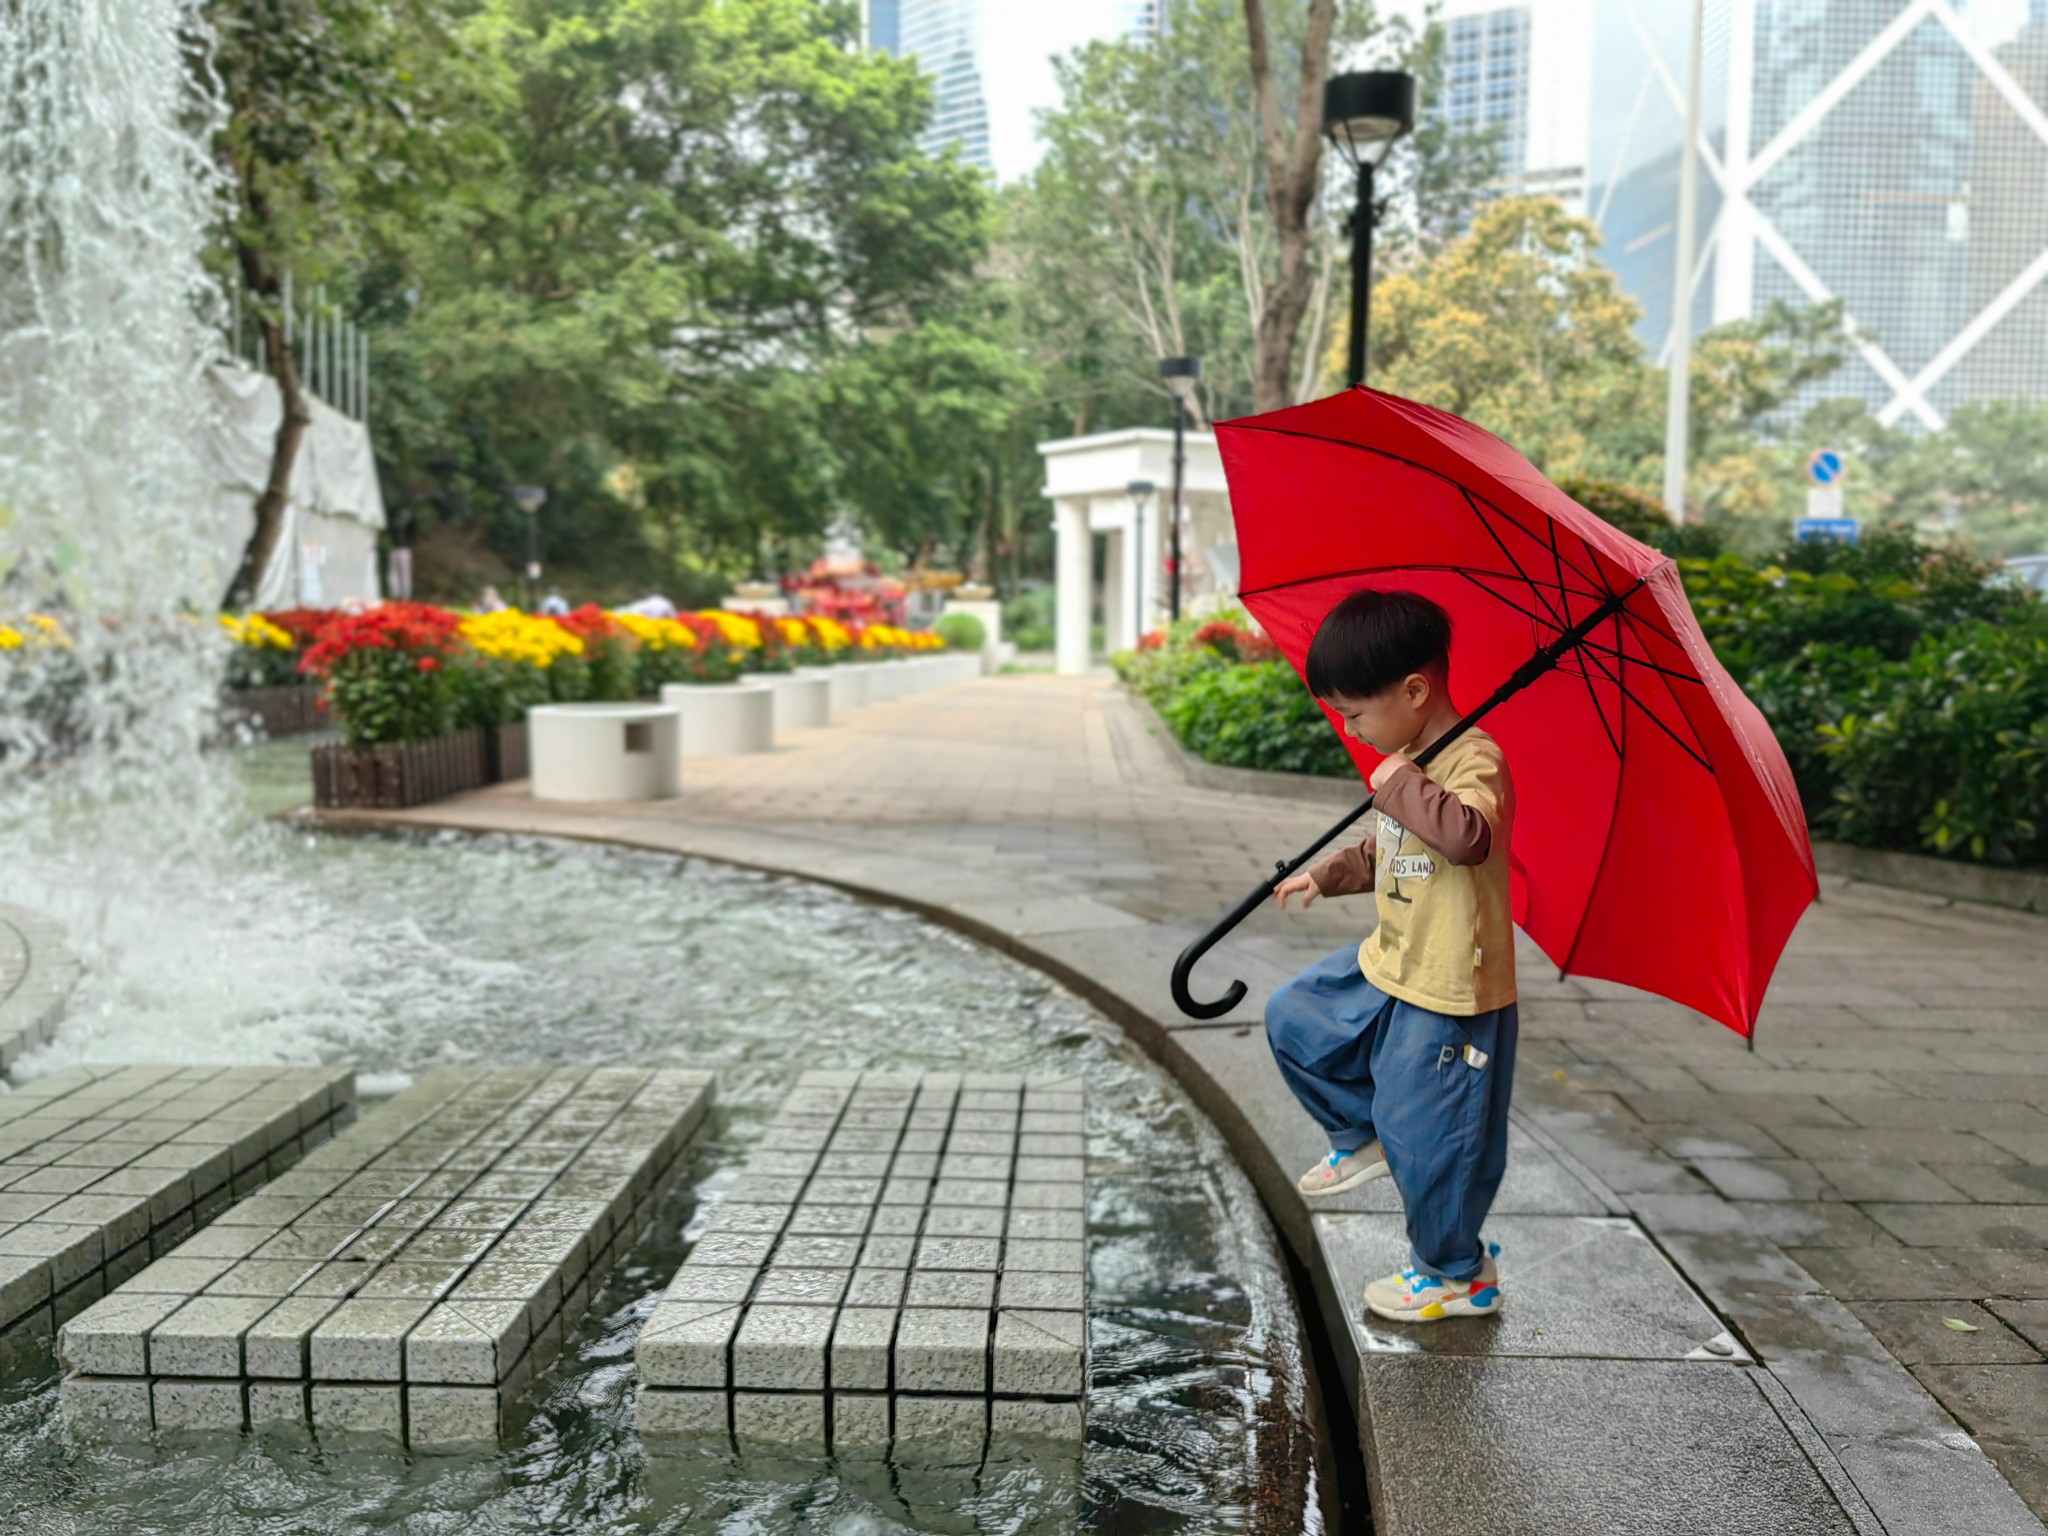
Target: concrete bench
(903, 1261)
(803, 699)
(847, 683)
(604, 752)
(723, 719)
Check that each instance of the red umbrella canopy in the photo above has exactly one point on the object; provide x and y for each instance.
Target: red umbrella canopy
(1658, 836)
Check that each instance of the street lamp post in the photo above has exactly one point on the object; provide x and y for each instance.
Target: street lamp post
(1139, 491)
(1180, 374)
(531, 499)
(1363, 114)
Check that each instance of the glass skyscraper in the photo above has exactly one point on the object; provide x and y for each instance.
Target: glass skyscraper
(1486, 81)
(1891, 154)
(990, 63)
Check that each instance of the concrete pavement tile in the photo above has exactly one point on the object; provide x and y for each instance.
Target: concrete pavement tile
(1729, 1138)
(1764, 1178)
(1860, 1179)
(875, 1288)
(1813, 1224)
(109, 1338)
(2025, 1465)
(669, 1412)
(1886, 1274)
(2000, 1183)
(2015, 1272)
(938, 1350)
(359, 1410)
(684, 1345)
(1890, 1144)
(205, 1405)
(862, 1340)
(789, 1286)
(204, 1336)
(119, 1404)
(1963, 1226)
(2029, 1319)
(451, 1417)
(860, 1422)
(957, 1427)
(795, 1419)
(1917, 1334)
(1041, 1354)
(1554, 1432)
(2002, 1402)
(275, 1345)
(363, 1341)
(1935, 1483)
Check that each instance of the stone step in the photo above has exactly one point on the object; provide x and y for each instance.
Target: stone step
(103, 1169)
(407, 1279)
(904, 1259)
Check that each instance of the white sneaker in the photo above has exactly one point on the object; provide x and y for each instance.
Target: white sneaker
(1344, 1170)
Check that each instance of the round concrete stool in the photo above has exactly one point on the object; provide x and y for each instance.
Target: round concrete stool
(885, 680)
(847, 682)
(604, 752)
(722, 719)
(803, 700)
(962, 666)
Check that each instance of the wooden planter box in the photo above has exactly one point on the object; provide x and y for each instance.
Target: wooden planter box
(292, 710)
(505, 755)
(398, 774)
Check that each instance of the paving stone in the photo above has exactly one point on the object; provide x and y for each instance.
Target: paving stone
(1033, 1253)
(780, 1285)
(710, 1282)
(472, 1343)
(105, 1402)
(875, 1288)
(951, 1288)
(1048, 1197)
(684, 1344)
(1040, 1354)
(860, 1422)
(204, 1336)
(749, 1218)
(745, 1250)
(364, 1341)
(964, 1221)
(276, 1343)
(817, 1252)
(974, 1253)
(957, 1423)
(110, 1338)
(1917, 1333)
(451, 1417)
(1960, 1226)
(2001, 1402)
(942, 1350)
(668, 1411)
(888, 1252)
(829, 1220)
(2029, 1319)
(1043, 1291)
(782, 1348)
(359, 1410)
(279, 1404)
(186, 1405)
(779, 1419)
(1015, 1419)
(862, 1339)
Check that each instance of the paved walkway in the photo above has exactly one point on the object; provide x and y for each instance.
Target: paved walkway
(1876, 1168)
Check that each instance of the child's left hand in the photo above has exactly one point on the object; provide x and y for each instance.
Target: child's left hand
(1390, 765)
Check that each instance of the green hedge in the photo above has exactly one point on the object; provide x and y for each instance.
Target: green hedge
(1910, 694)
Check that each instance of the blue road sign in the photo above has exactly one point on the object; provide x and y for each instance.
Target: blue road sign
(1810, 528)
(1825, 466)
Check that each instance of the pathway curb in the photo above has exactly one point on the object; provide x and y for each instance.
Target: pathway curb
(37, 974)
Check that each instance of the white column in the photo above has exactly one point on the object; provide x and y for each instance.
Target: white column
(1734, 252)
(1151, 558)
(1073, 570)
(1117, 633)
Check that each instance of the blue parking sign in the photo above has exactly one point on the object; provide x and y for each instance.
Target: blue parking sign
(1808, 529)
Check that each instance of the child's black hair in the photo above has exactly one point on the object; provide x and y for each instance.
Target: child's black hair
(1372, 640)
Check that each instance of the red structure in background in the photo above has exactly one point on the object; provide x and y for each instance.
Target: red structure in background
(852, 591)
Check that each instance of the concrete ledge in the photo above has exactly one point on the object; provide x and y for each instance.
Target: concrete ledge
(2024, 889)
(37, 974)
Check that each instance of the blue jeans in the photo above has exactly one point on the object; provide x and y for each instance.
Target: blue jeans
(1367, 1065)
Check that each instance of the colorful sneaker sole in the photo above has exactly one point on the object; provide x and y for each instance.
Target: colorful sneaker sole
(1364, 1175)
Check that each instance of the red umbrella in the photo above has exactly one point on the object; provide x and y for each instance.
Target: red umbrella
(1658, 836)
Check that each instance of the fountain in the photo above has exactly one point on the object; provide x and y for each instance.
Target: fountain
(212, 934)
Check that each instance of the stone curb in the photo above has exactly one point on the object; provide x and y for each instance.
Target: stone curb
(2024, 889)
(37, 974)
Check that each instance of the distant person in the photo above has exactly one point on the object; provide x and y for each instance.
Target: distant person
(652, 606)
(554, 605)
(490, 602)
(1403, 1048)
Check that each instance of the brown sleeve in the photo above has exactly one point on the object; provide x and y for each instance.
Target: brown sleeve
(1450, 826)
(1347, 872)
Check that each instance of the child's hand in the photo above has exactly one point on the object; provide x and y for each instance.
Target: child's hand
(1390, 765)
(1296, 885)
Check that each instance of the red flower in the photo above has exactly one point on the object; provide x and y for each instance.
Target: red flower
(428, 664)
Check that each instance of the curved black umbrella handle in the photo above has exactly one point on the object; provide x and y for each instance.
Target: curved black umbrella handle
(1253, 899)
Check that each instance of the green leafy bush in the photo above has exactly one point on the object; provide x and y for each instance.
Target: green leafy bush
(1949, 748)
(961, 631)
(1257, 716)
(1028, 618)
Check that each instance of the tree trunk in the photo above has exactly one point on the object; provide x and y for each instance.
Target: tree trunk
(1291, 172)
(291, 431)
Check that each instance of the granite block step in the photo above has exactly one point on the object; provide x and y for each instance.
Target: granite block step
(901, 1262)
(104, 1169)
(406, 1279)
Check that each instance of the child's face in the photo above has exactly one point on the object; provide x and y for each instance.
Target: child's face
(1389, 720)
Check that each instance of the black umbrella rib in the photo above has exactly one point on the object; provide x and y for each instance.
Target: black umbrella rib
(1394, 458)
(1556, 618)
(1696, 753)
(1388, 570)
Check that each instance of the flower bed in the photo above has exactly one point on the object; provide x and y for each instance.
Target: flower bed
(459, 686)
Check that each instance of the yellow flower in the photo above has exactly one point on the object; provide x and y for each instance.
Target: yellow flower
(832, 634)
(738, 630)
(658, 634)
(256, 632)
(509, 635)
(10, 639)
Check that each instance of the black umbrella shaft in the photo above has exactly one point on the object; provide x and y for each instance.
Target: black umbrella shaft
(1538, 664)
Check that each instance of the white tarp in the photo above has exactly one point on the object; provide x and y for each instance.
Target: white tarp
(328, 552)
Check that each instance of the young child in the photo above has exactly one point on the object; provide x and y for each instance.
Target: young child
(1404, 1048)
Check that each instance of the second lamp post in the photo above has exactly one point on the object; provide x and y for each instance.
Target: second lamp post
(1362, 116)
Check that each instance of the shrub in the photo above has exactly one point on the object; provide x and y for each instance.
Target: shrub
(1158, 673)
(387, 672)
(1257, 716)
(1950, 751)
(962, 631)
